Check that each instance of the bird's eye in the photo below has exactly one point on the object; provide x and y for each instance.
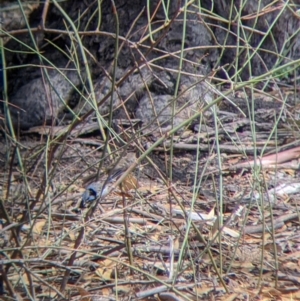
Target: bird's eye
(93, 192)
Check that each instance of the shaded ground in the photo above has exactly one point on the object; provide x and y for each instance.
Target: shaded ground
(255, 255)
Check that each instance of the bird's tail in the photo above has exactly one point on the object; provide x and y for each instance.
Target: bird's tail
(115, 175)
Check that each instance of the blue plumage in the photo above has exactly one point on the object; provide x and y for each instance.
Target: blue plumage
(92, 193)
(96, 189)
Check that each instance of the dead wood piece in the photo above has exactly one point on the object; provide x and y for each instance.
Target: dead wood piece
(268, 160)
(278, 223)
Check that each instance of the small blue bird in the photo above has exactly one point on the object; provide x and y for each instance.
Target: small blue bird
(96, 190)
(92, 193)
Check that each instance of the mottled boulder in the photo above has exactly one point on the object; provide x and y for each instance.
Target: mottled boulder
(155, 111)
(128, 93)
(43, 100)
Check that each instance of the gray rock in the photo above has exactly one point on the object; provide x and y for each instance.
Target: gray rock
(129, 92)
(156, 111)
(39, 102)
(11, 15)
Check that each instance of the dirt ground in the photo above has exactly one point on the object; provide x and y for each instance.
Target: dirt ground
(208, 234)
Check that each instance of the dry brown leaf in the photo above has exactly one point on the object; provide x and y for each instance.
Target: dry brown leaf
(234, 161)
(291, 296)
(254, 239)
(211, 213)
(291, 172)
(72, 235)
(104, 273)
(155, 237)
(16, 277)
(107, 270)
(106, 291)
(86, 296)
(292, 266)
(38, 227)
(176, 243)
(243, 265)
(271, 292)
